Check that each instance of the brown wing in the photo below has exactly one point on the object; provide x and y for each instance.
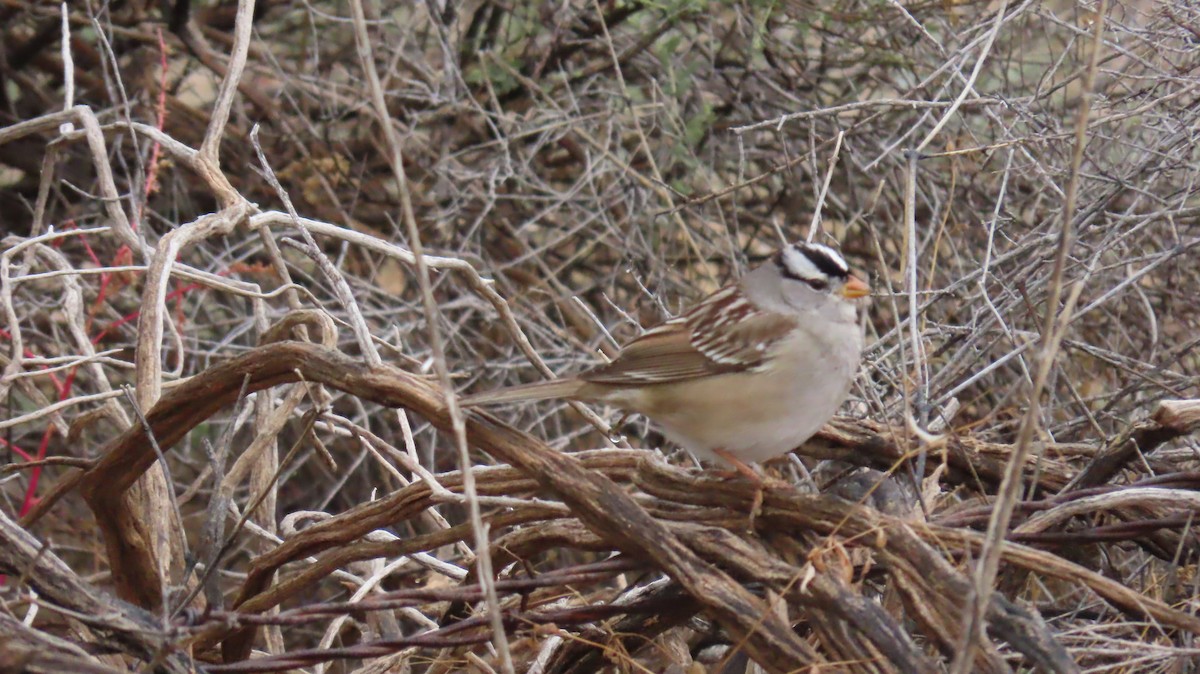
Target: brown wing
(725, 333)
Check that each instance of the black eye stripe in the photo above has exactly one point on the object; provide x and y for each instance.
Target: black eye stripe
(824, 261)
(821, 266)
(814, 283)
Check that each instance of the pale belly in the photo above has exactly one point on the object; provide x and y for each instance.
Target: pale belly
(755, 417)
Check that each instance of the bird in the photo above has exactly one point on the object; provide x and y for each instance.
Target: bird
(746, 375)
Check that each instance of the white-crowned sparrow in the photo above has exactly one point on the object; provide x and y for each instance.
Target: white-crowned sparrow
(746, 375)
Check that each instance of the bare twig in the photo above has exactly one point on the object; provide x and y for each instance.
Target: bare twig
(1052, 334)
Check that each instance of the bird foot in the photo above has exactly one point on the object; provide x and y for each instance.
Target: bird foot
(756, 478)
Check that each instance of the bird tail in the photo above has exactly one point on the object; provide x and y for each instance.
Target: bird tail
(543, 390)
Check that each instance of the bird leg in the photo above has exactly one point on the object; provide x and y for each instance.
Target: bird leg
(755, 478)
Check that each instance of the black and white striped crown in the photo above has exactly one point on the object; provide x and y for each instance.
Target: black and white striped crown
(813, 263)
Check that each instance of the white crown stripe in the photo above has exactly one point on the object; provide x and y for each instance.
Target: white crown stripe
(799, 265)
(832, 254)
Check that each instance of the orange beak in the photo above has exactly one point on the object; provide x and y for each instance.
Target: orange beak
(855, 288)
